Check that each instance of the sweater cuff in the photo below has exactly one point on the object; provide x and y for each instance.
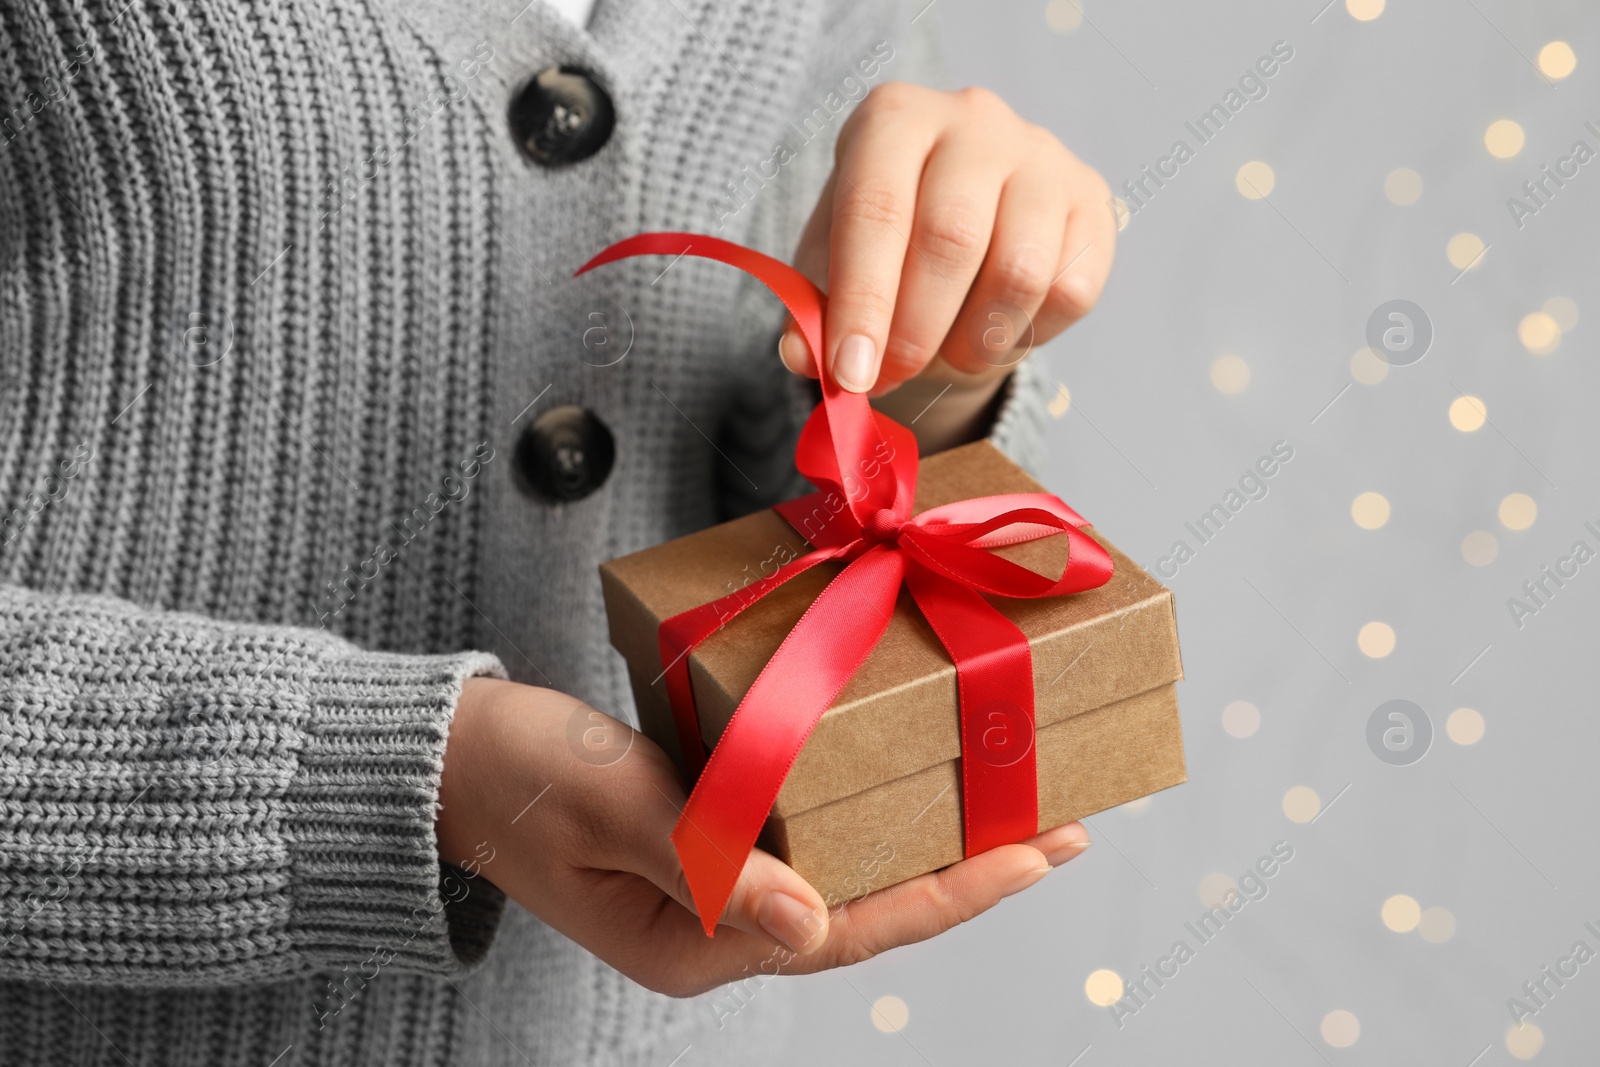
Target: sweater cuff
(370, 889)
(1019, 424)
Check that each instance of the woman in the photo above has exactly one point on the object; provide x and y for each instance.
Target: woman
(310, 445)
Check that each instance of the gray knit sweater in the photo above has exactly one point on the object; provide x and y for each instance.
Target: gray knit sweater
(277, 288)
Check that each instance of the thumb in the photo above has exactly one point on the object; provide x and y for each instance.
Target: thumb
(810, 259)
(794, 351)
(770, 900)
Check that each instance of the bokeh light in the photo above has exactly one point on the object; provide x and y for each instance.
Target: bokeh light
(1467, 413)
(1557, 60)
(1241, 719)
(1437, 926)
(1230, 374)
(890, 1014)
(1564, 310)
(1103, 987)
(1401, 913)
(1539, 333)
(1255, 180)
(1301, 804)
(1503, 138)
(1367, 367)
(1480, 547)
(1340, 1028)
(1215, 889)
(1517, 511)
(1403, 186)
(1465, 726)
(1524, 1041)
(1465, 251)
(1370, 510)
(1376, 639)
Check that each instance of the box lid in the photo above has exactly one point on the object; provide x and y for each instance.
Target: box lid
(898, 714)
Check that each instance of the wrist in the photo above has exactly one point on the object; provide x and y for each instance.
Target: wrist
(944, 410)
(464, 771)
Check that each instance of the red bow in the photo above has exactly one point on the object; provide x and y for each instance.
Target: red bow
(865, 466)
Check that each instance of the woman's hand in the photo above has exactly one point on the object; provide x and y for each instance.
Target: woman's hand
(951, 238)
(591, 856)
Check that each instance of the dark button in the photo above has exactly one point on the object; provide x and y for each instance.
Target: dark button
(561, 116)
(565, 454)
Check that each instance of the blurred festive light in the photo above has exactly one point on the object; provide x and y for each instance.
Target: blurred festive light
(1301, 804)
(1403, 186)
(1364, 10)
(1061, 401)
(1376, 639)
(1214, 889)
(1539, 333)
(1064, 16)
(1401, 913)
(1467, 413)
(1480, 547)
(1524, 1041)
(1241, 719)
(1230, 374)
(1503, 138)
(1367, 367)
(890, 1014)
(1137, 807)
(1103, 987)
(1464, 726)
(1340, 1028)
(1437, 926)
(1465, 251)
(1557, 60)
(1370, 510)
(1517, 511)
(1564, 311)
(1255, 180)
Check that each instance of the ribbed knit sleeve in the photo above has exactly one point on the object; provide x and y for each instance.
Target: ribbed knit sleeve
(1019, 424)
(188, 802)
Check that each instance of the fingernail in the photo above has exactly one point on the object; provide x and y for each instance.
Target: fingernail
(1024, 880)
(854, 363)
(1063, 843)
(794, 924)
(792, 350)
(1057, 856)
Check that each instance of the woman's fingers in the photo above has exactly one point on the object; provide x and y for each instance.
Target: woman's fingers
(955, 225)
(949, 228)
(769, 901)
(995, 327)
(879, 168)
(926, 906)
(1087, 249)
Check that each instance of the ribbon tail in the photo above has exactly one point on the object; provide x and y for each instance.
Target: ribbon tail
(994, 681)
(731, 801)
(680, 634)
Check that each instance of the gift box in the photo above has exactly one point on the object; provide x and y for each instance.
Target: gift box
(949, 719)
(874, 797)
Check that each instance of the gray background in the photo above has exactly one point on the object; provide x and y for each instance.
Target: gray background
(1497, 832)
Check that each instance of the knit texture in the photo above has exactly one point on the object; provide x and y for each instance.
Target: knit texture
(277, 294)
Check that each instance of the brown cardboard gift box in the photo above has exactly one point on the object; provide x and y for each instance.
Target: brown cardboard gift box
(875, 796)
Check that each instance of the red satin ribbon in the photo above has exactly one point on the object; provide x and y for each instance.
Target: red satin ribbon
(865, 467)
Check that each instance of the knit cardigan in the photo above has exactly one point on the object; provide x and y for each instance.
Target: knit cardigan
(277, 288)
